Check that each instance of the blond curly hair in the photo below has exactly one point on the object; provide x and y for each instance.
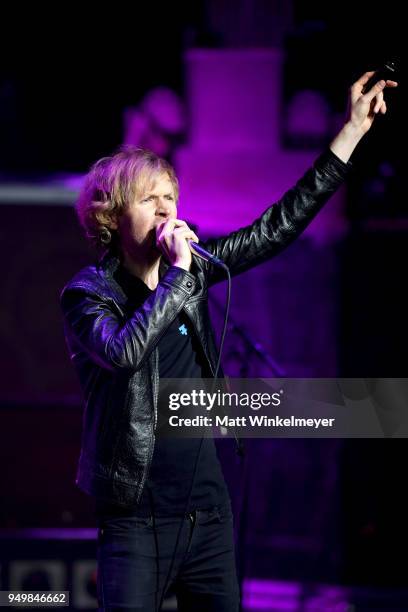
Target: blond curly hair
(113, 183)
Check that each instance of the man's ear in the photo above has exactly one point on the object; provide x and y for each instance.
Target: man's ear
(113, 222)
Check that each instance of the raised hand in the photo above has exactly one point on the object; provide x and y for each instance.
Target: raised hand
(363, 107)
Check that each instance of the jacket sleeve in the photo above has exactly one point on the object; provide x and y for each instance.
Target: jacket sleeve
(282, 222)
(92, 323)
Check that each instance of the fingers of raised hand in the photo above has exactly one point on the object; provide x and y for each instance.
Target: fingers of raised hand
(375, 90)
(378, 88)
(357, 88)
(379, 99)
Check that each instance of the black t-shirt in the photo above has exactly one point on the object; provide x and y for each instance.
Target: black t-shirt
(169, 480)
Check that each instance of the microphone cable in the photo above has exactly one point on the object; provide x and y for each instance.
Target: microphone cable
(224, 331)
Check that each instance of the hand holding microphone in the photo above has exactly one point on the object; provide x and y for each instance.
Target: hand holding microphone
(178, 242)
(171, 239)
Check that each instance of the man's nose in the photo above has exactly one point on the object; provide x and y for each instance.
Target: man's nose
(163, 208)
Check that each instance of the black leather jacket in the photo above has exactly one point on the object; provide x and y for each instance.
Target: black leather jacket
(115, 353)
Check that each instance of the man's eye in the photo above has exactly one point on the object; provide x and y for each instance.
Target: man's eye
(148, 199)
(170, 197)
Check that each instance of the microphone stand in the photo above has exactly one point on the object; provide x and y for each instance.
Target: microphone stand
(253, 345)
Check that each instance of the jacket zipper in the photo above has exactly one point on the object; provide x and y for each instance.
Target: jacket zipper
(155, 397)
(199, 338)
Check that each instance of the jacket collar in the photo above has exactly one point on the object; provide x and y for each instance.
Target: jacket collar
(108, 266)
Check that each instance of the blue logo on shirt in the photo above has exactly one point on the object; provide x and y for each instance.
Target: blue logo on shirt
(183, 330)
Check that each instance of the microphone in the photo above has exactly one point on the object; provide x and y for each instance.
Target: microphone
(385, 72)
(198, 250)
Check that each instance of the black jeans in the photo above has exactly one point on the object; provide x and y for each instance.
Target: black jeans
(131, 576)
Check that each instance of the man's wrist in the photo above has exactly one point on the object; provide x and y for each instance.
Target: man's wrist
(185, 265)
(346, 141)
(352, 132)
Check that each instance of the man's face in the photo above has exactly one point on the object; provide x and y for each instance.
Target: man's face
(138, 222)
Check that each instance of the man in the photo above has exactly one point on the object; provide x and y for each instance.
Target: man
(140, 315)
